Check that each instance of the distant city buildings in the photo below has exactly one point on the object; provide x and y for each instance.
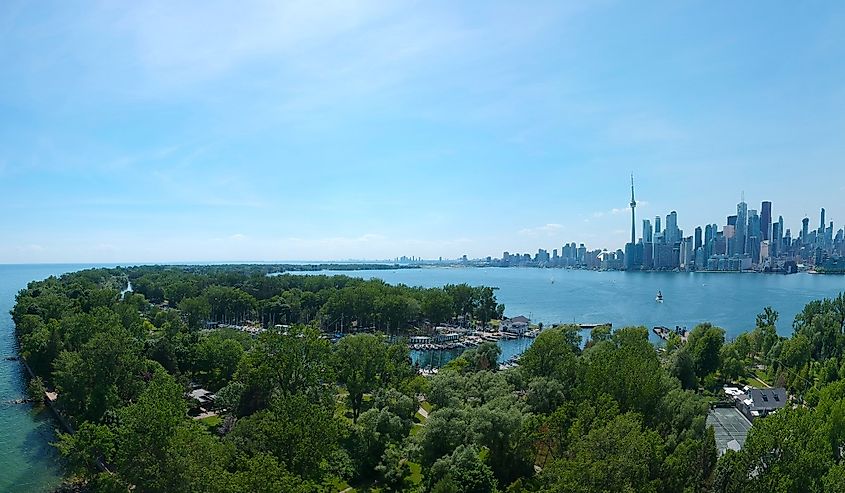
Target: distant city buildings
(748, 241)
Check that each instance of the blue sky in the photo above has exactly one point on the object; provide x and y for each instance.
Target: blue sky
(179, 131)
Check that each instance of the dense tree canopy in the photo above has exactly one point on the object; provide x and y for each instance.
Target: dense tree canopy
(300, 409)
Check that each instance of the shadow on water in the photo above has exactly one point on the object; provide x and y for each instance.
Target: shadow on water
(36, 446)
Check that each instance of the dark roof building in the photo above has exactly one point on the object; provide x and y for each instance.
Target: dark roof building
(760, 402)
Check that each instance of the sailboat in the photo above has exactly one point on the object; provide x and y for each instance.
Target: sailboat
(659, 297)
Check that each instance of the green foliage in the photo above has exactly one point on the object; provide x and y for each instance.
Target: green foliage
(216, 359)
(298, 362)
(704, 344)
(484, 357)
(361, 361)
(608, 418)
(682, 367)
(619, 456)
(553, 355)
(463, 471)
(35, 390)
(106, 373)
(732, 364)
(300, 434)
(196, 311)
(82, 449)
(627, 369)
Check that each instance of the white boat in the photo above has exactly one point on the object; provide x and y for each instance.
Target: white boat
(659, 297)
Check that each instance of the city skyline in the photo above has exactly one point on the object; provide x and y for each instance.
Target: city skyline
(305, 131)
(751, 239)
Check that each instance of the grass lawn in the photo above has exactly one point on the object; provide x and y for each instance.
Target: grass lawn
(426, 405)
(416, 429)
(764, 375)
(211, 422)
(419, 418)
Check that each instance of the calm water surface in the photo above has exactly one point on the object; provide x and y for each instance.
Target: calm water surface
(731, 301)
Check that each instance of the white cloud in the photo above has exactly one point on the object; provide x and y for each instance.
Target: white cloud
(549, 229)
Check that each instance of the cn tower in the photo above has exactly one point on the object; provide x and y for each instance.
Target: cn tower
(633, 214)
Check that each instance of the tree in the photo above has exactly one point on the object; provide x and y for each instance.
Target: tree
(486, 306)
(298, 362)
(229, 304)
(463, 298)
(300, 434)
(627, 369)
(601, 333)
(767, 318)
(619, 456)
(216, 359)
(360, 362)
(85, 447)
(545, 395)
(484, 357)
(682, 367)
(704, 344)
(437, 306)
(144, 430)
(197, 311)
(553, 355)
(463, 471)
(375, 430)
(732, 361)
(106, 373)
(394, 469)
(789, 450)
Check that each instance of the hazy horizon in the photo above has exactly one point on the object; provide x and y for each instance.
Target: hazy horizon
(209, 132)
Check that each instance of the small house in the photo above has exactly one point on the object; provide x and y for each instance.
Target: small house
(516, 325)
(203, 396)
(760, 402)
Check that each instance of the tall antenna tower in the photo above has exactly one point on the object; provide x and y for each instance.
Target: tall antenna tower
(633, 214)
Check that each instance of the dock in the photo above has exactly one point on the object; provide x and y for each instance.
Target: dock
(664, 332)
(593, 326)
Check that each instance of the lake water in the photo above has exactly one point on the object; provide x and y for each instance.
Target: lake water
(728, 300)
(29, 464)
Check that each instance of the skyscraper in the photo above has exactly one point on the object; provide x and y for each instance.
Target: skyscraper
(805, 230)
(672, 234)
(741, 226)
(752, 241)
(777, 238)
(648, 235)
(821, 223)
(709, 236)
(766, 220)
(698, 243)
(730, 235)
(656, 224)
